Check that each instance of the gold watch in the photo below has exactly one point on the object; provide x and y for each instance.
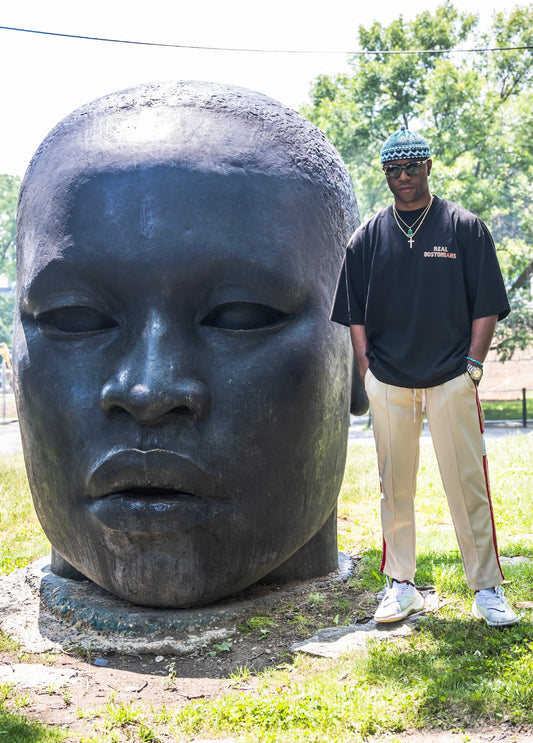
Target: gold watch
(476, 372)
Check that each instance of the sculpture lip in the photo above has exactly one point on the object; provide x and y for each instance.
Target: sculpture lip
(152, 473)
(131, 490)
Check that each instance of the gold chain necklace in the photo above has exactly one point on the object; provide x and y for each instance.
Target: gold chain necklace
(410, 226)
(410, 234)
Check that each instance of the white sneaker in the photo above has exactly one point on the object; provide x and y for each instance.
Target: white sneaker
(400, 600)
(490, 605)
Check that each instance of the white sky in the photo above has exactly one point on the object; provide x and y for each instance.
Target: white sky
(45, 77)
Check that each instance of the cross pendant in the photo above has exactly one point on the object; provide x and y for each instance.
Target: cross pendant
(411, 241)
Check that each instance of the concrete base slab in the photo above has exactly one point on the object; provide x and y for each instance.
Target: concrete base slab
(45, 612)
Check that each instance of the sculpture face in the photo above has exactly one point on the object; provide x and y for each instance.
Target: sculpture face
(182, 394)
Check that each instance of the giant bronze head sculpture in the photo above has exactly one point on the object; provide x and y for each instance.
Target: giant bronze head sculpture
(183, 397)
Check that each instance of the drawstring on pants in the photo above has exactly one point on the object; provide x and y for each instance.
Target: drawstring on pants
(423, 404)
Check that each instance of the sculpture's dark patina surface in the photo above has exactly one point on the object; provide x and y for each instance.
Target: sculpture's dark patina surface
(182, 394)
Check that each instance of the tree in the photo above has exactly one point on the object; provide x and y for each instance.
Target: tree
(516, 331)
(474, 108)
(7, 308)
(9, 190)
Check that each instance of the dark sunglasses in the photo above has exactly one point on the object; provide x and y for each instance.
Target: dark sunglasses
(394, 171)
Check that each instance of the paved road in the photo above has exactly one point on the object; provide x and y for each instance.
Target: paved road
(359, 432)
(10, 438)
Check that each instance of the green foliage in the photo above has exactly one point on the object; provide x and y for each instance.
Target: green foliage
(7, 308)
(517, 266)
(220, 647)
(517, 330)
(358, 112)
(259, 624)
(514, 68)
(9, 190)
(476, 111)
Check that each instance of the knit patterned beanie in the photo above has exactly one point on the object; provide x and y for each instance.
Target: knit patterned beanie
(405, 145)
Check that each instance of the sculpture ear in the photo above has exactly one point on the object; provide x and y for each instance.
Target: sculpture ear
(359, 398)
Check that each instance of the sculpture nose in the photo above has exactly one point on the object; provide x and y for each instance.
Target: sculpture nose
(152, 381)
(148, 403)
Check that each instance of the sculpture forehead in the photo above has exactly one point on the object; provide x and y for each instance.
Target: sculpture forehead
(203, 140)
(242, 226)
(200, 124)
(196, 127)
(168, 193)
(142, 139)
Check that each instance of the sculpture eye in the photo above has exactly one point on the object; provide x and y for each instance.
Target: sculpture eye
(244, 316)
(73, 322)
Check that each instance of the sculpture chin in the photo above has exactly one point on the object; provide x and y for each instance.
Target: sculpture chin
(318, 557)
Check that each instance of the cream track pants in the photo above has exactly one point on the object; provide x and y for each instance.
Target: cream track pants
(455, 421)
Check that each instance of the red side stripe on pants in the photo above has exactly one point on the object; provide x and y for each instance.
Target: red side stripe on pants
(384, 547)
(487, 484)
(384, 556)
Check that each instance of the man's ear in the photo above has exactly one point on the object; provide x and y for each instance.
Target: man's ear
(429, 165)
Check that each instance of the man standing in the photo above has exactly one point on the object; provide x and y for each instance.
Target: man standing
(421, 291)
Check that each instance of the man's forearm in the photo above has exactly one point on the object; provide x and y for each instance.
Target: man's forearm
(481, 338)
(360, 347)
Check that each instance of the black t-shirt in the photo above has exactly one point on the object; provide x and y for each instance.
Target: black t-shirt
(417, 304)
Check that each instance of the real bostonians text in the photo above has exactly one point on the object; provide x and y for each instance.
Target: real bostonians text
(439, 252)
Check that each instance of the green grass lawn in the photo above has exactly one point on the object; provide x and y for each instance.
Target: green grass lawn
(452, 672)
(507, 410)
(21, 537)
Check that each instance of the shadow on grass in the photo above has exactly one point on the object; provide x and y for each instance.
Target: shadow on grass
(454, 665)
(461, 668)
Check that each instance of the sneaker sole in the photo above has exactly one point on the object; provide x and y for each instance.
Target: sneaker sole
(414, 609)
(477, 614)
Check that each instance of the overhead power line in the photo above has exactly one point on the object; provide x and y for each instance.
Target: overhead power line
(266, 51)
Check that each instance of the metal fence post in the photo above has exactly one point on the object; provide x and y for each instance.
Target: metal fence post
(524, 407)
